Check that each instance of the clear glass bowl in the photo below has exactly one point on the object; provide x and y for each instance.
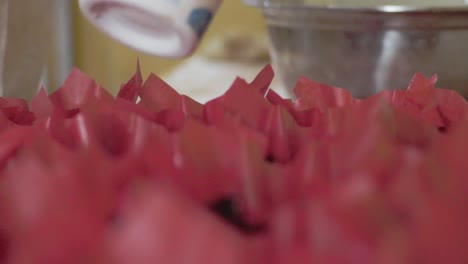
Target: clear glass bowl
(35, 45)
(368, 47)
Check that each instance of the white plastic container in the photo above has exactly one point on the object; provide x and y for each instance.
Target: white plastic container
(164, 28)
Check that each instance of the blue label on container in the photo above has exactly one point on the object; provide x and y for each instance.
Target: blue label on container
(199, 20)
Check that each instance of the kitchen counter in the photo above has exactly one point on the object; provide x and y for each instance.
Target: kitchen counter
(204, 79)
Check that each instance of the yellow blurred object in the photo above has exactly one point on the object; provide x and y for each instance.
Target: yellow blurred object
(111, 63)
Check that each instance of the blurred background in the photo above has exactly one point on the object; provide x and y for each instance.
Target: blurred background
(331, 46)
(110, 63)
(42, 40)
